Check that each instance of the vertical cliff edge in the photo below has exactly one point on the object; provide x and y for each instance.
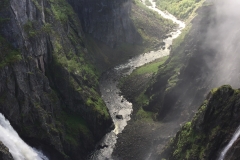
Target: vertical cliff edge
(49, 89)
(107, 21)
(210, 130)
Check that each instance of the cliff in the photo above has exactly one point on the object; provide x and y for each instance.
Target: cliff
(4, 152)
(210, 130)
(107, 21)
(49, 89)
(204, 57)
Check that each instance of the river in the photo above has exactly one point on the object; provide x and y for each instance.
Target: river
(117, 104)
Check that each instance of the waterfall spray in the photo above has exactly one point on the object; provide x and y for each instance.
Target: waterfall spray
(17, 147)
(234, 138)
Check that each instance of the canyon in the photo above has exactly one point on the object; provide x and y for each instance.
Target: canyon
(58, 58)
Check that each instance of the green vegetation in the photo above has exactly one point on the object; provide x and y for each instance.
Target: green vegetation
(83, 76)
(201, 138)
(172, 68)
(149, 24)
(180, 8)
(80, 67)
(186, 146)
(33, 29)
(69, 53)
(150, 67)
(141, 99)
(148, 3)
(75, 127)
(9, 55)
(75, 74)
(144, 115)
(61, 10)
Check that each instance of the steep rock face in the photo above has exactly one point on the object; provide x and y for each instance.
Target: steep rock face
(176, 84)
(205, 58)
(48, 89)
(107, 21)
(210, 130)
(4, 153)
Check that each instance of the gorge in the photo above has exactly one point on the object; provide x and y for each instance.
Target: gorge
(83, 79)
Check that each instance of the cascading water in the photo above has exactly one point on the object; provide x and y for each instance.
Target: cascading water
(17, 147)
(234, 138)
(116, 104)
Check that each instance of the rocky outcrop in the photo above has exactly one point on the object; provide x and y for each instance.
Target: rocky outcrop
(4, 153)
(210, 130)
(49, 89)
(107, 21)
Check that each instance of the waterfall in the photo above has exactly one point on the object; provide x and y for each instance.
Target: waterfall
(17, 147)
(234, 138)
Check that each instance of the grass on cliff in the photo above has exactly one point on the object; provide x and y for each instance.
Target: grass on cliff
(74, 58)
(61, 10)
(182, 9)
(209, 128)
(75, 126)
(141, 99)
(70, 55)
(9, 55)
(149, 24)
(150, 67)
(172, 68)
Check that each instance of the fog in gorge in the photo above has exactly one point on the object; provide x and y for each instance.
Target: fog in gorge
(223, 38)
(213, 47)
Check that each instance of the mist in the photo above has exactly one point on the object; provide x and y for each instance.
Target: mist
(223, 38)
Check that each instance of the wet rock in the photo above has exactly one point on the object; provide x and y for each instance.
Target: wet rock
(4, 152)
(162, 43)
(102, 146)
(119, 116)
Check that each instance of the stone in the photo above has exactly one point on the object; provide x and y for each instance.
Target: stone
(119, 116)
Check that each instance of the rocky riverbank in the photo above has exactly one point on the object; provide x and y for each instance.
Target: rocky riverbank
(145, 137)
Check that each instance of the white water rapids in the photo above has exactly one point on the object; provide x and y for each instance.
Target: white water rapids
(234, 138)
(17, 147)
(118, 105)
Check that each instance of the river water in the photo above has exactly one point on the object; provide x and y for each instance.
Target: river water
(117, 104)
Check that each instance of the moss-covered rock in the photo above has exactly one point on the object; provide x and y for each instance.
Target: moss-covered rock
(49, 88)
(176, 83)
(210, 130)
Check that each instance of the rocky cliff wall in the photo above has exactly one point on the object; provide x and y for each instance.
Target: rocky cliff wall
(4, 152)
(210, 130)
(48, 89)
(107, 20)
(202, 59)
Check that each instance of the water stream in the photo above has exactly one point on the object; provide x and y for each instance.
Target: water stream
(117, 104)
(17, 147)
(234, 138)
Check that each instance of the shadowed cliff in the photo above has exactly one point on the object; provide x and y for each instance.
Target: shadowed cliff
(49, 89)
(210, 130)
